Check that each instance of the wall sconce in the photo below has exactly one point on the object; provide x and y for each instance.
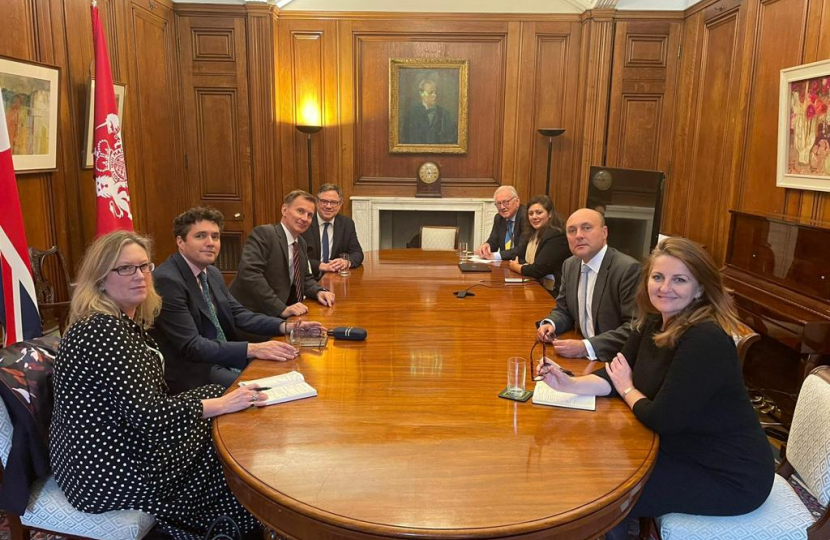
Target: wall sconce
(309, 122)
(550, 133)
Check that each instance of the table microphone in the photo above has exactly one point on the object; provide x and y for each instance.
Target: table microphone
(349, 333)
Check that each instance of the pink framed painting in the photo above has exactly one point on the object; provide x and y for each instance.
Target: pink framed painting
(804, 127)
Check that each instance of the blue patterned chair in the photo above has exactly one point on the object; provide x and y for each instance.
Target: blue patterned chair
(783, 516)
(47, 508)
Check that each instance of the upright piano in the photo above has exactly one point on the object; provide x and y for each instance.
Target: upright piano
(778, 268)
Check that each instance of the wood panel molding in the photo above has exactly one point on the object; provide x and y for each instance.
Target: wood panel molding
(595, 82)
(265, 162)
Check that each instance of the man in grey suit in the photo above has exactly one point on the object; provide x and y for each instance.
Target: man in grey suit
(597, 295)
(273, 277)
(331, 235)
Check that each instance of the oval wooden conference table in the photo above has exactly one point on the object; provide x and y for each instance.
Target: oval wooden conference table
(408, 438)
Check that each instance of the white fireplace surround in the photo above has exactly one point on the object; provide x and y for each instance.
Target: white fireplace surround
(366, 214)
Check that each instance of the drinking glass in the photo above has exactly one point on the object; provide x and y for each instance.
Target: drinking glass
(293, 331)
(463, 252)
(516, 375)
(345, 271)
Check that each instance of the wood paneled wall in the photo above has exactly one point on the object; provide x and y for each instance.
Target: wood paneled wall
(523, 75)
(213, 95)
(725, 142)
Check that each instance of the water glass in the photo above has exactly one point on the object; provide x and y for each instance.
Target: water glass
(463, 251)
(345, 270)
(516, 375)
(294, 331)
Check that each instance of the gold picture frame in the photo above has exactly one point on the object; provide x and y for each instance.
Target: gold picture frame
(428, 105)
(89, 130)
(29, 93)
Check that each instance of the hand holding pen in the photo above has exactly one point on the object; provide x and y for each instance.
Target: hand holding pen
(545, 364)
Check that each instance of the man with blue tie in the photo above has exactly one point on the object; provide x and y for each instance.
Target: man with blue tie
(199, 320)
(507, 226)
(330, 235)
(597, 294)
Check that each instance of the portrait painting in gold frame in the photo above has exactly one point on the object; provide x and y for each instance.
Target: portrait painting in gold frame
(428, 106)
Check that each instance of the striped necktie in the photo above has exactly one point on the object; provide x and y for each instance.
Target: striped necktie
(508, 240)
(214, 318)
(298, 275)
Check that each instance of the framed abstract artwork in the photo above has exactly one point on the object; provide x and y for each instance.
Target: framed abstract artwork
(30, 99)
(804, 127)
(120, 96)
(428, 105)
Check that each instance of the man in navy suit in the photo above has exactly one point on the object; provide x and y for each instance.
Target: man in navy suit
(507, 226)
(197, 327)
(330, 235)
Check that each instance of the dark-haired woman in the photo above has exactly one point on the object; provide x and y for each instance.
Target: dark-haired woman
(543, 246)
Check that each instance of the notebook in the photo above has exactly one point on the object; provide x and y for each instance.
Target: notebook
(474, 267)
(545, 395)
(286, 387)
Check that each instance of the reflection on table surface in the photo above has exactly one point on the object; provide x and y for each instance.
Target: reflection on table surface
(408, 438)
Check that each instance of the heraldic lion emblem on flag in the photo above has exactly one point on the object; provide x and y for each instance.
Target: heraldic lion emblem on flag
(110, 169)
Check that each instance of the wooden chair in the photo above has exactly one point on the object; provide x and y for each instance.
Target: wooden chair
(783, 515)
(439, 238)
(54, 314)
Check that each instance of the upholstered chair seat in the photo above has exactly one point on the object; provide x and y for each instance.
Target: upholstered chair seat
(783, 516)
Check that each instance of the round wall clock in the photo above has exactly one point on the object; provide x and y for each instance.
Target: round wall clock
(602, 180)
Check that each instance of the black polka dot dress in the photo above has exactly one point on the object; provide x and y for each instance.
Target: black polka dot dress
(117, 441)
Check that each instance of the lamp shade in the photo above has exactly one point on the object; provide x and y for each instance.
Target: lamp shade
(551, 132)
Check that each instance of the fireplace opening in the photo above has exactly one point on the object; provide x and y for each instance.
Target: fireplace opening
(402, 228)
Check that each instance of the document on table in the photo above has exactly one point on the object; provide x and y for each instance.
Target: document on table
(286, 387)
(545, 395)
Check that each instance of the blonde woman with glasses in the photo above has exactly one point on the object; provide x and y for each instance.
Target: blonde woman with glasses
(117, 440)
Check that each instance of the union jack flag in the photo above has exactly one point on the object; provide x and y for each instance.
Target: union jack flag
(18, 303)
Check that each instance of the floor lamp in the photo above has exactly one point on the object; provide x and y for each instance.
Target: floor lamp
(550, 133)
(308, 130)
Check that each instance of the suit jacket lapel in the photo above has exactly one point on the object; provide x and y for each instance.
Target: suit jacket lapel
(602, 281)
(338, 245)
(315, 236)
(192, 285)
(283, 242)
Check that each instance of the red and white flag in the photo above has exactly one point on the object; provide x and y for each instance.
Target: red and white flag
(18, 303)
(109, 168)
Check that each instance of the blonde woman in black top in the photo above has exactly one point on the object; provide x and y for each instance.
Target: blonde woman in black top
(680, 375)
(543, 246)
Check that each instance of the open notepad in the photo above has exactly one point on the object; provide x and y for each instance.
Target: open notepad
(286, 387)
(545, 395)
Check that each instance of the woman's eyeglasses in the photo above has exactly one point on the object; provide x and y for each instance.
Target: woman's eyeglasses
(129, 269)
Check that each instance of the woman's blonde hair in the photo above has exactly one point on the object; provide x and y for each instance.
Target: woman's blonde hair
(715, 303)
(89, 296)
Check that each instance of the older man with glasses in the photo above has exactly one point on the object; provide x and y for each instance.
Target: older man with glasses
(507, 226)
(331, 235)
